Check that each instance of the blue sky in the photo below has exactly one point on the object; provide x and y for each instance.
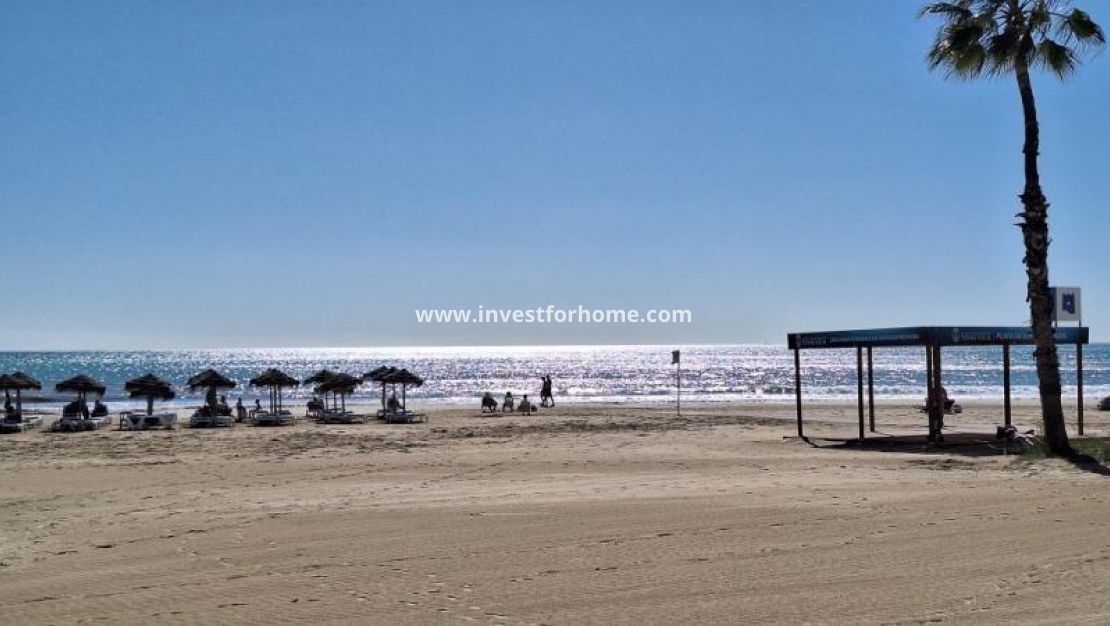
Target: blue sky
(204, 174)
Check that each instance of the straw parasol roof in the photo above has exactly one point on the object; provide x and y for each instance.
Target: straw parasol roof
(150, 387)
(18, 381)
(319, 377)
(275, 379)
(376, 374)
(403, 377)
(81, 385)
(211, 379)
(339, 383)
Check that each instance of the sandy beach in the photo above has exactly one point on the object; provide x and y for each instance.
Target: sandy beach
(581, 514)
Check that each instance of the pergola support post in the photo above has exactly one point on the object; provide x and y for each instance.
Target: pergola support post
(1079, 384)
(859, 387)
(934, 402)
(1006, 406)
(798, 387)
(870, 389)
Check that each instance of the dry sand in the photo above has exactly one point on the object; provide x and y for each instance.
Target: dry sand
(582, 514)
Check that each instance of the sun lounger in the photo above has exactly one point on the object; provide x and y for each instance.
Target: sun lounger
(18, 423)
(266, 418)
(342, 417)
(72, 423)
(401, 416)
(142, 421)
(202, 419)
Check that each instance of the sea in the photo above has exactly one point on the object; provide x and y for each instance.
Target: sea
(623, 374)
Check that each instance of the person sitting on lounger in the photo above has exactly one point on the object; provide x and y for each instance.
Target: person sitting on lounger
(72, 409)
(222, 408)
(315, 406)
(10, 413)
(99, 409)
(489, 405)
(507, 405)
(394, 404)
(525, 406)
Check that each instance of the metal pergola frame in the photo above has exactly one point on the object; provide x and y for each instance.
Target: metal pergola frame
(932, 338)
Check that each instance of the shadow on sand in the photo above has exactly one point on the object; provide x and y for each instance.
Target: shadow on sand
(966, 444)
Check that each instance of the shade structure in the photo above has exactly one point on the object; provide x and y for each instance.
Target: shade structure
(211, 380)
(932, 339)
(378, 375)
(150, 387)
(18, 382)
(276, 380)
(340, 386)
(404, 378)
(319, 377)
(81, 385)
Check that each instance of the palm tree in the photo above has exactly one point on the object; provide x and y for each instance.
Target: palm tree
(999, 37)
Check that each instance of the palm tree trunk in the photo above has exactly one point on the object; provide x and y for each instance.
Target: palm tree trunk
(1034, 229)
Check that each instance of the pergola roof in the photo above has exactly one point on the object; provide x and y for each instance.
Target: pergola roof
(931, 336)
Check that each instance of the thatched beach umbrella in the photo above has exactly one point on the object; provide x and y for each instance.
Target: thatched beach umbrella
(274, 379)
(340, 386)
(211, 380)
(319, 377)
(81, 385)
(378, 375)
(406, 379)
(18, 382)
(150, 387)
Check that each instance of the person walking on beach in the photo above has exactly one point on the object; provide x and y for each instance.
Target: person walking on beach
(546, 397)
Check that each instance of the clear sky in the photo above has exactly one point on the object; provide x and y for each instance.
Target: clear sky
(204, 174)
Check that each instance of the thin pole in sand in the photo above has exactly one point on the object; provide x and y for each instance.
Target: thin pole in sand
(676, 360)
(870, 389)
(1079, 383)
(678, 389)
(1008, 414)
(859, 386)
(798, 387)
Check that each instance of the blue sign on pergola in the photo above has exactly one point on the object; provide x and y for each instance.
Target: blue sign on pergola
(932, 338)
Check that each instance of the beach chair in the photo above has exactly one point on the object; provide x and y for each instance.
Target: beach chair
(404, 417)
(203, 418)
(489, 404)
(332, 416)
(138, 420)
(72, 420)
(15, 422)
(266, 418)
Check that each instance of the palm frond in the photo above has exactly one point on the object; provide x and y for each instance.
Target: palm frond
(1080, 28)
(1056, 58)
(993, 36)
(958, 10)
